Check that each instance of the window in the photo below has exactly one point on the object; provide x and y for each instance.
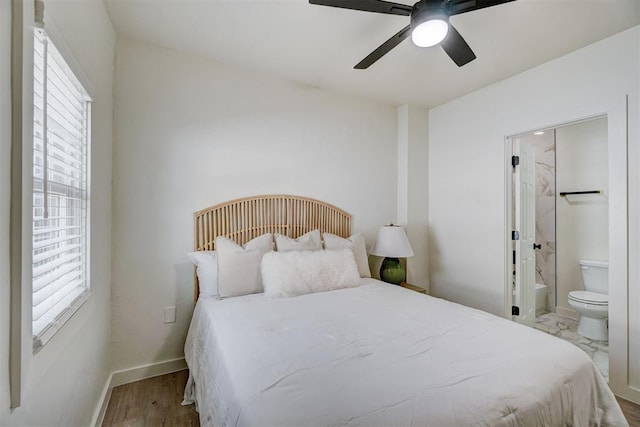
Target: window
(61, 121)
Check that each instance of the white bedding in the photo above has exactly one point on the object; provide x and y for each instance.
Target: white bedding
(381, 355)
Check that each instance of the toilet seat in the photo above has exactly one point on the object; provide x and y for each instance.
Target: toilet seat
(588, 297)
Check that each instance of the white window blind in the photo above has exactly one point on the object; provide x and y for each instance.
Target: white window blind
(61, 121)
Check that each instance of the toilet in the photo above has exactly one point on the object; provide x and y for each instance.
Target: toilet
(593, 303)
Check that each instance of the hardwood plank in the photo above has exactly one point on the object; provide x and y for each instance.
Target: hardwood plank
(151, 402)
(631, 411)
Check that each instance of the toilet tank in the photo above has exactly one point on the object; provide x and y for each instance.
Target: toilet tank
(595, 275)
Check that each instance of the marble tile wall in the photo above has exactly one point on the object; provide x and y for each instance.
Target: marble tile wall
(545, 150)
(546, 217)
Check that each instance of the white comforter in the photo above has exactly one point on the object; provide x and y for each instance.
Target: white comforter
(382, 355)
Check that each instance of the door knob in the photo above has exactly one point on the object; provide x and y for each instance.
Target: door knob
(537, 246)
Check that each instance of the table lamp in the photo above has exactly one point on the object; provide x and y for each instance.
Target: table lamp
(392, 243)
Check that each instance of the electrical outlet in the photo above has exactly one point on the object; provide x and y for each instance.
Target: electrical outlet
(169, 315)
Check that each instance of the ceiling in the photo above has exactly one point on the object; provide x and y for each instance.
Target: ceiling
(318, 45)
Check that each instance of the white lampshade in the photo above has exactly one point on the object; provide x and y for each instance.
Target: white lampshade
(392, 242)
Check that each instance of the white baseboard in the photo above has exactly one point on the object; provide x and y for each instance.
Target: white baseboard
(130, 375)
(631, 393)
(150, 370)
(101, 408)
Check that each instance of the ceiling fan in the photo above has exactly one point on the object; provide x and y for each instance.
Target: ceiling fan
(429, 24)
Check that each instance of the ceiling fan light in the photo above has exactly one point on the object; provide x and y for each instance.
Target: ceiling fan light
(430, 32)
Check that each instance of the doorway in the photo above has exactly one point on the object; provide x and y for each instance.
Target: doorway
(568, 209)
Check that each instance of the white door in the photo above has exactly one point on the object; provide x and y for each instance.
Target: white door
(525, 225)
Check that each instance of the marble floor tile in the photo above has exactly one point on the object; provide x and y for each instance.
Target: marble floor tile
(567, 329)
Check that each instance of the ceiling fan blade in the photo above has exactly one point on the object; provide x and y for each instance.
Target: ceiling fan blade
(457, 48)
(384, 48)
(461, 6)
(377, 6)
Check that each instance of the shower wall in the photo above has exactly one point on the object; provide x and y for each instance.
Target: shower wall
(545, 151)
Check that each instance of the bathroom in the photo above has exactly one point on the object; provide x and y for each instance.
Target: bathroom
(572, 233)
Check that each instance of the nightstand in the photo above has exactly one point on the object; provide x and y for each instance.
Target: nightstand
(413, 287)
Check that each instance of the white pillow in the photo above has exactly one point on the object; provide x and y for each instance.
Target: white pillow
(311, 241)
(287, 274)
(239, 266)
(356, 244)
(206, 263)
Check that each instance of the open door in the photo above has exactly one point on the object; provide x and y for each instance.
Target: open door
(524, 235)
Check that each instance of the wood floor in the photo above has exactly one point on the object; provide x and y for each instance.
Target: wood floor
(151, 402)
(631, 411)
(156, 402)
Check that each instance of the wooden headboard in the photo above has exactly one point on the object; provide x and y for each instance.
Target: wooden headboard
(247, 218)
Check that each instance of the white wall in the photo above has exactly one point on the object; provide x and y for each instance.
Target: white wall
(467, 180)
(413, 177)
(582, 230)
(64, 380)
(191, 133)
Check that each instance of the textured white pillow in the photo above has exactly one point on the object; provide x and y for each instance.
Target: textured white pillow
(206, 263)
(356, 244)
(311, 241)
(287, 274)
(239, 266)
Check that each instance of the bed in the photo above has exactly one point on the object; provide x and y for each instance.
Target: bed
(374, 354)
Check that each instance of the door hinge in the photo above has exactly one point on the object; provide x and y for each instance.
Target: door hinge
(514, 257)
(515, 235)
(515, 161)
(515, 310)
